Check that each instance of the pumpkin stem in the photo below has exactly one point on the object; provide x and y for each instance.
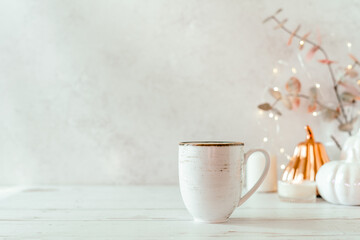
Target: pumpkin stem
(309, 133)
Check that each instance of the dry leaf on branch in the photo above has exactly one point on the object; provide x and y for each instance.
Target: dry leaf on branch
(347, 97)
(303, 39)
(287, 103)
(267, 19)
(293, 85)
(330, 114)
(278, 11)
(275, 94)
(347, 127)
(265, 106)
(312, 52)
(313, 93)
(293, 34)
(350, 88)
(354, 58)
(276, 111)
(312, 107)
(295, 102)
(315, 48)
(351, 73)
(326, 61)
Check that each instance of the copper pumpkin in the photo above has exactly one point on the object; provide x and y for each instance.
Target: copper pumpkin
(308, 157)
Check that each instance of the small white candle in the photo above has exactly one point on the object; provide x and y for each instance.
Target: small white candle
(304, 191)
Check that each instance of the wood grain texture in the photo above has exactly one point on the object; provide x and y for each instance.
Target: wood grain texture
(157, 212)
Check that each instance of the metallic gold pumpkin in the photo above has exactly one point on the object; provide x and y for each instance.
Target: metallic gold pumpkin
(308, 157)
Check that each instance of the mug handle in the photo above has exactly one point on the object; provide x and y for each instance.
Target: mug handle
(262, 177)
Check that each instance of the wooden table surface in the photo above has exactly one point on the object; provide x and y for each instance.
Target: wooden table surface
(157, 212)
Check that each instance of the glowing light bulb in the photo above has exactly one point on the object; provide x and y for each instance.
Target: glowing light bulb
(282, 150)
(301, 42)
(317, 85)
(271, 115)
(349, 44)
(293, 70)
(282, 166)
(314, 114)
(276, 89)
(265, 139)
(275, 70)
(276, 117)
(349, 66)
(261, 112)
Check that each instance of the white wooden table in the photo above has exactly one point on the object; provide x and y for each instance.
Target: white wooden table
(148, 212)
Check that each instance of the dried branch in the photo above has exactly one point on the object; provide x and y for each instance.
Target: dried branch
(336, 142)
(293, 34)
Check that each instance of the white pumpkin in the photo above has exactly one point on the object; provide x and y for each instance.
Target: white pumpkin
(351, 146)
(339, 181)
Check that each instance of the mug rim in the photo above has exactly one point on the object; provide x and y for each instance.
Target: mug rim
(211, 143)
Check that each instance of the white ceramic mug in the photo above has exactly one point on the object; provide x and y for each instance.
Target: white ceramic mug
(211, 176)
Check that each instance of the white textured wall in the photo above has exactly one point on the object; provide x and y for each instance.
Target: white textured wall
(101, 92)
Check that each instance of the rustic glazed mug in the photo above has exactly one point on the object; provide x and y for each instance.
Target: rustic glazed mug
(211, 175)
